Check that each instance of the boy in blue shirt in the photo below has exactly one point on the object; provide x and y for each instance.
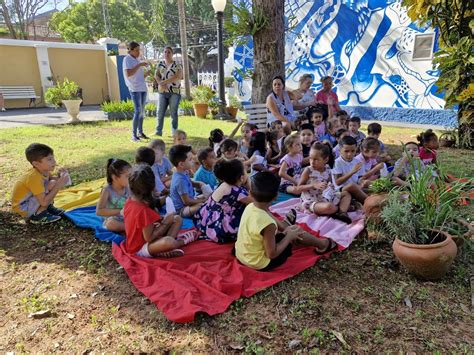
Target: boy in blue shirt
(205, 173)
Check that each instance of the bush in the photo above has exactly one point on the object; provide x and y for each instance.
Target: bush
(118, 106)
(235, 102)
(66, 90)
(228, 81)
(202, 94)
(150, 107)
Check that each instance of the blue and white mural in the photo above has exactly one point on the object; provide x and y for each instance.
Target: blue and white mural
(365, 45)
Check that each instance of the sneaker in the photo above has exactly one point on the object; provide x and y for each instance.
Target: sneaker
(3, 109)
(189, 236)
(143, 136)
(158, 134)
(44, 218)
(135, 139)
(55, 211)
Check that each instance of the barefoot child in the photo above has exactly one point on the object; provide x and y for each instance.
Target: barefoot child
(114, 195)
(264, 243)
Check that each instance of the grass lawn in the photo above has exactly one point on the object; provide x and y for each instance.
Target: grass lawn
(360, 299)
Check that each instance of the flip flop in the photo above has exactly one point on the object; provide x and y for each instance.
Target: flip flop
(290, 217)
(343, 217)
(170, 254)
(331, 246)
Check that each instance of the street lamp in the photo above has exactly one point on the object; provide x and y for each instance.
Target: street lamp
(219, 6)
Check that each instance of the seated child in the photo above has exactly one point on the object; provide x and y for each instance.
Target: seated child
(246, 130)
(205, 173)
(277, 126)
(354, 126)
(428, 146)
(410, 163)
(228, 149)
(343, 118)
(263, 242)
(180, 137)
(147, 233)
(114, 195)
(291, 165)
(330, 136)
(374, 130)
(273, 151)
(146, 156)
(347, 171)
(257, 153)
(369, 151)
(216, 137)
(341, 133)
(307, 139)
(162, 166)
(316, 117)
(219, 218)
(318, 195)
(182, 187)
(34, 192)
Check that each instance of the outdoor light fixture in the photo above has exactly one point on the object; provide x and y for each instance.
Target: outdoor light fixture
(219, 6)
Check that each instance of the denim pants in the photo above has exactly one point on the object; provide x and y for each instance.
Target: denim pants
(172, 100)
(139, 100)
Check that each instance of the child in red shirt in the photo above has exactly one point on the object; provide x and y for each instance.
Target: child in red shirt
(147, 233)
(428, 145)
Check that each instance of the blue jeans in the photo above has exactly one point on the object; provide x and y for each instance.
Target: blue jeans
(172, 100)
(139, 100)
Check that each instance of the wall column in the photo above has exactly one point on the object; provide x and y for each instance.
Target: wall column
(44, 67)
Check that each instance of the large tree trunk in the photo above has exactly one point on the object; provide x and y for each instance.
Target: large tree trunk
(268, 49)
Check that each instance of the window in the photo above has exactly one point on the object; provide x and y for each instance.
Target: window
(423, 46)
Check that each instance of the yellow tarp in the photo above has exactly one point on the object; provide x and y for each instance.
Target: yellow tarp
(81, 195)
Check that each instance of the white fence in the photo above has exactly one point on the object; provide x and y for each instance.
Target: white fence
(208, 79)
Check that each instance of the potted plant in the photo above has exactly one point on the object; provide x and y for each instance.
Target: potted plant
(374, 203)
(234, 106)
(150, 109)
(66, 93)
(118, 110)
(186, 107)
(202, 95)
(419, 222)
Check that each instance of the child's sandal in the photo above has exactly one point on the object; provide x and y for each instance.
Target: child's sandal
(290, 217)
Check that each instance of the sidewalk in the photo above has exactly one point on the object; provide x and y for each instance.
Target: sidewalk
(46, 116)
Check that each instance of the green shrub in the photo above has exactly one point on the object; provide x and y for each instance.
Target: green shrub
(202, 94)
(150, 106)
(381, 185)
(4, 31)
(186, 105)
(228, 81)
(235, 102)
(118, 106)
(66, 90)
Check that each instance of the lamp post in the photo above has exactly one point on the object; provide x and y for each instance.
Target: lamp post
(219, 6)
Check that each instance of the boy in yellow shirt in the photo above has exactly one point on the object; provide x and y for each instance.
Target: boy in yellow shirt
(263, 242)
(34, 192)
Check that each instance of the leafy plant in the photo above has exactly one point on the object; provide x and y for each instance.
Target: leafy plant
(66, 90)
(381, 185)
(228, 81)
(202, 94)
(150, 106)
(235, 102)
(118, 106)
(245, 23)
(186, 106)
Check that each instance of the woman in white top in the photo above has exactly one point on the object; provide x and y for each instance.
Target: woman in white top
(279, 106)
(304, 95)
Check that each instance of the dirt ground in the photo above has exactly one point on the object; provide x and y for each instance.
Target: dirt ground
(357, 300)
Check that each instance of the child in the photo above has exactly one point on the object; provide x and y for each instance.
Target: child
(354, 126)
(330, 136)
(147, 233)
(257, 152)
(162, 166)
(370, 149)
(321, 198)
(246, 130)
(263, 243)
(217, 136)
(34, 192)
(182, 187)
(219, 218)
(273, 151)
(347, 171)
(277, 126)
(307, 139)
(343, 118)
(146, 155)
(374, 130)
(228, 149)
(428, 146)
(410, 163)
(179, 137)
(291, 165)
(114, 195)
(341, 133)
(205, 173)
(316, 117)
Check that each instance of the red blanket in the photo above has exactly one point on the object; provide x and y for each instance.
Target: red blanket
(206, 279)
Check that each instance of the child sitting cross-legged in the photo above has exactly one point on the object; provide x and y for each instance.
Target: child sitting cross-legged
(219, 218)
(369, 152)
(374, 130)
(321, 198)
(162, 166)
(205, 173)
(257, 152)
(264, 243)
(354, 126)
(147, 233)
(291, 165)
(182, 187)
(114, 195)
(216, 137)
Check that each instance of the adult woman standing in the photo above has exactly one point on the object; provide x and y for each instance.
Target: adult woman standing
(168, 76)
(279, 106)
(304, 95)
(328, 97)
(135, 80)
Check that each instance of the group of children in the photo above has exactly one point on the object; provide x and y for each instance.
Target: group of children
(227, 188)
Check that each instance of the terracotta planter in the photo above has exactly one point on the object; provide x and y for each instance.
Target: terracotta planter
(72, 107)
(373, 206)
(200, 110)
(232, 111)
(427, 261)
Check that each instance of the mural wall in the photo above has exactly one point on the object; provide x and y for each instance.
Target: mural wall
(365, 45)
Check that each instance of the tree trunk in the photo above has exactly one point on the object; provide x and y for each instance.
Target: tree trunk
(6, 17)
(268, 49)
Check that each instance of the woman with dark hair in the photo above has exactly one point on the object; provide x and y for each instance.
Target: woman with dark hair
(168, 76)
(134, 76)
(328, 97)
(279, 106)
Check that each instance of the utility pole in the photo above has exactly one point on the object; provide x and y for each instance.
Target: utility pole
(184, 48)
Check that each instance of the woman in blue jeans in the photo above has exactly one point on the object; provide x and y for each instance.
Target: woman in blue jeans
(168, 76)
(135, 79)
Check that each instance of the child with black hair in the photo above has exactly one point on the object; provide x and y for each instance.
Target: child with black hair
(205, 173)
(347, 171)
(182, 192)
(307, 139)
(147, 233)
(409, 164)
(263, 242)
(273, 150)
(332, 127)
(257, 153)
(354, 126)
(246, 130)
(219, 218)
(277, 126)
(162, 166)
(217, 136)
(343, 118)
(291, 165)
(114, 195)
(369, 151)
(340, 133)
(316, 118)
(34, 192)
(146, 155)
(228, 149)
(428, 146)
(319, 196)
(374, 130)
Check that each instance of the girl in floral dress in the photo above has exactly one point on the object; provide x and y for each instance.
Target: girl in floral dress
(219, 218)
